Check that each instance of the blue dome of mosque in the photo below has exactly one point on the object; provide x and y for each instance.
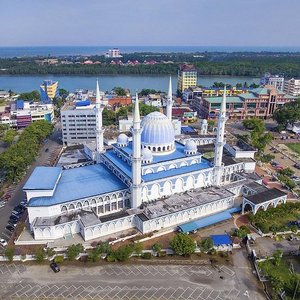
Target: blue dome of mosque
(158, 130)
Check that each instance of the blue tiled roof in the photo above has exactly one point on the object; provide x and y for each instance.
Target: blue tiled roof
(122, 165)
(187, 129)
(178, 153)
(221, 239)
(80, 183)
(204, 222)
(43, 178)
(178, 171)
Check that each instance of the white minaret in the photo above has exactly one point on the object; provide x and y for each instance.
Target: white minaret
(136, 167)
(169, 101)
(220, 142)
(99, 127)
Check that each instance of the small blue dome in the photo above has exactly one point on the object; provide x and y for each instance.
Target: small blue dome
(157, 130)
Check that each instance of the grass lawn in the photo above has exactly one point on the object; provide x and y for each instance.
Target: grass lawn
(294, 146)
(282, 272)
(276, 219)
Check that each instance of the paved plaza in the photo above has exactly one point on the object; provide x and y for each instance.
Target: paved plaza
(114, 281)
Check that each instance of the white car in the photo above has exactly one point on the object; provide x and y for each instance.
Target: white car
(3, 242)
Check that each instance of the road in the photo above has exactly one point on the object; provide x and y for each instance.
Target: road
(44, 158)
(114, 281)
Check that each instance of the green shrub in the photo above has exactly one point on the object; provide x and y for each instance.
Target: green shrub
(59, 259)
(146, 255)
(9, 253)
(40, 255)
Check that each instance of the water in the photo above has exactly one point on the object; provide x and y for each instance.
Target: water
(93, 50)
(21, 84)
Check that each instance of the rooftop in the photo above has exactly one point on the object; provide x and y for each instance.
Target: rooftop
(221, 239)
(180, 202)
(43, 178)
(265, 196)
(80, 183)
(219, 99)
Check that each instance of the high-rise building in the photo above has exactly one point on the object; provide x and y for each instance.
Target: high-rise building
(292, 87)
(187, 77)
(49, 90)
(275, 80)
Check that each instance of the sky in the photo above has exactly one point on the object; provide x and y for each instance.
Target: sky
(150, 22)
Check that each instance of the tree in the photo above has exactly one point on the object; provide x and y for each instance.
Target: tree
(206, 244)
(277, 255)
(10, 252)
(40, 255)
(34, 95)
(157, 247)
(138, 248)
(123, 253)
(9, 136)
(288, 114)
(277, 283)
(287, 172)
(183, 244)
(73, 251)
(119, 91)
(242, 231)
(95, 254)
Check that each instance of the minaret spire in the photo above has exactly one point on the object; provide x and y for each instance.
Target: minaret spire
(136, 188)
(220, 142)
(99, 125)
(169, 100)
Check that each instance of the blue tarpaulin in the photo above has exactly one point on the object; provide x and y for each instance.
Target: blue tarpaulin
(203, 222)
(221, 239)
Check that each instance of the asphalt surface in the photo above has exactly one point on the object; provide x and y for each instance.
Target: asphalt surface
(129, 281)
(44, 158)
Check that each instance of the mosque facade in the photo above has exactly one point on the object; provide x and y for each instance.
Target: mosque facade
(150, 183)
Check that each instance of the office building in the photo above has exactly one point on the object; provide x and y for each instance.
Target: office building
(187, 77)
(277, 81)
(292, 87)
(48, 91)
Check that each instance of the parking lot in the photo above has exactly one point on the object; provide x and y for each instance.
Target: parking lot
(15, 190)
(125, 282)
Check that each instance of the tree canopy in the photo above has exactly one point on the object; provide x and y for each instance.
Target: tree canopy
(288, 114)
(183, 244)
(33, 95)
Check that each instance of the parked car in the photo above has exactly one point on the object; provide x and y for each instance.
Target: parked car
(10, 228)
(297, 166)
(54, 266)
(3, 242)
(11, 223)
(23, 203)
(14, 218)
(2, 204)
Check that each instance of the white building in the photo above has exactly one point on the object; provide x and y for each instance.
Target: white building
(292, 87)
(275, 80)
(113, 53)
(149, 183)
(78, 121)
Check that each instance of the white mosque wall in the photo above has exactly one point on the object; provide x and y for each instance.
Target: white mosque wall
(177, 184)
(249, 166)
(38, 193)
(43, 212)
(57, 231)
(177, 218)
(239, 153)
(110, 227)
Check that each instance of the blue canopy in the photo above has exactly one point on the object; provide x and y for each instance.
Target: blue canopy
(221, 239)
(203, 222)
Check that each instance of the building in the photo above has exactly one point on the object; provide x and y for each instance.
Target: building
(153, 100)
(292, 87)
(149, 183)
(48, 91)
(113, 53)
(4, 95)
(277, 81)
(23, 113)
(258, 103)
(78, 121)
(187, 77)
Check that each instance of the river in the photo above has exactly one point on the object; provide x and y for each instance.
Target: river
(21, 84)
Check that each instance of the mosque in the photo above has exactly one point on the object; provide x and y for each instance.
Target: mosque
(149, 183)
